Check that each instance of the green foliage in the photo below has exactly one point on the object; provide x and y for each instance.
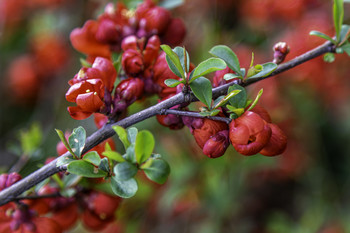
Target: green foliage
(208, 66)
(86, 169)
(261, 70)
(92, 157)
(256, 100)
(173, 61)
(329, 57)
(172, 82)
(226, 54)
(122, 134)
(30, 139)
(239, 100)
(338, 16)
(157, 170)
(226, 98)
(77, 141)
(144, 146)
(202, 89)
(124, 188)
(322, 35)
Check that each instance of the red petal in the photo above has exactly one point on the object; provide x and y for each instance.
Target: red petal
(89, 102)
(277, 143)
(45, 225)
(252, 120)
(109, 74)
(239, 134)
(77, 114)
(84, 40)
(67, 216)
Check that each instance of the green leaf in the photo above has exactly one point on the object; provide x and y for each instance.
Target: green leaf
(322, 35)
(86, 169)
(214, 112)
(130, 154)
(92, 157)
(172, 82)
(344, 33)
(77, 140)
(70, 180)
(132, 133)
(113, 155)
(158, 171)
(205, 114)
(64, 160)
(171, 4)
(31, 139)
(236, 111)
(230, 95)
(230, 76)
(256, 100)
(202, 89)
(206, 67)
(70, 192)
(239, 100)
(144, 146)
(104, 165)
(338, 16)
(124, 171)
(329, 57)
(85, 63)
(346, 48)
(124, 188)
(226, 54)
(173, 61)
(266, 69)
(122, 134)
(184, 60)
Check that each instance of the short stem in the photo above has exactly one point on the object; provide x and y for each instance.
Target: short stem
(193, 114)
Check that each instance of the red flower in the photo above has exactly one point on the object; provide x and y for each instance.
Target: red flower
(88, 95)
(84, 40)
(217, 144)
(208, 129)
(175, 32)
(277, 143)
(109, 74)
(129, 90)
(132, 62)
(249, 133)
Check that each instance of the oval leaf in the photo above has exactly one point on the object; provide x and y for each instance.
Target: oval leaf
(92, 157)
(226, 54)
(144, 146)
(132, 133)
(86, 169)
(185, 60)
(123, 136)
(113, 155)
(322, 35)
(239, 100)
(77, 140)
(172, 82)
(158, 171)
(266, 69)
(104, 165)
(125, 171)
(202, 89)
(208, 66)
(124, 188)
(173, 61)
(64, 141)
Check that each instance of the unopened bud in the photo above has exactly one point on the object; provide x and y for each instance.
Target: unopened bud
(281, 49)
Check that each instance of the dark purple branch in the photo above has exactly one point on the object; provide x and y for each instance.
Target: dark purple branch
(10, 193)
(193, 114)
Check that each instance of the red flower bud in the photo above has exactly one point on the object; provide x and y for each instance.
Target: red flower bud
(219, 80)
(262, 113)
(249, 133)
(84, 40)
(103, 205)
(130, 89)
(277, 143)
(6, 180)
(216, 145)
(132, 62)
(175, 32)
(157, 19)
(130, 42)
(281, 49)
(151, 51)
(109, 74)
(208, 129)
(107, 32)
(162, 71)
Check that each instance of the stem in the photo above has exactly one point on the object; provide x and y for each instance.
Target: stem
(53, 195)
(10, 193)
(194, 114)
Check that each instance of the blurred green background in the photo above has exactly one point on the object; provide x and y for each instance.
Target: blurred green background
(306, 189)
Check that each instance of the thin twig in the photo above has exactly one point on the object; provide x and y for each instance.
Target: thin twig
(193, 114)
(10, 193)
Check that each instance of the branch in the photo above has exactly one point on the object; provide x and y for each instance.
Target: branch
(10, 193)
(193, 114)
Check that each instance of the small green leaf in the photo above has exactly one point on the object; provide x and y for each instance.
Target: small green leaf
(85, 63)
(70, 192)
(173, 61)
(344, 33)
(239, 100)
(132, 133)
(205, 114)
(322, 35)
(117, 62)
(77, 140)
(226, 54)
(144, 146)
(230, 76)
(202, 89)
(185, 60)
(63, 160)
(124, 171)
(122, 134)
(70, 180)
(206, 67)
(130, 154)
(113, 155)
(265, 70)
(230, 95)
(30, 139)
(338, 16)
(104, 165)
(256, 100)
(86, 169)
(172, 82)
(237, 111)
(124, 188)
(158, 171)
(92, 157)
(329, 57)
(214, 112)
(346, 48)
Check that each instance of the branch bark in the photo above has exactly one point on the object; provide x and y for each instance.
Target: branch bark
(10, 193)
